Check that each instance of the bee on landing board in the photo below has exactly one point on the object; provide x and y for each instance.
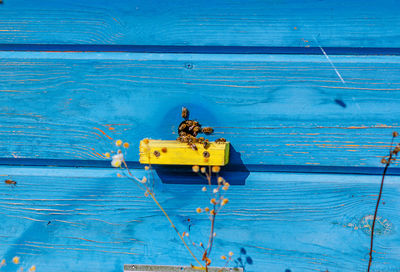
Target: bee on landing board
(220, 140)
(193, 146)
(205, 144)
(10, 182)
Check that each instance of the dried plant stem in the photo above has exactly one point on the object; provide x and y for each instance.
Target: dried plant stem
(387, 164)
(207, 252)
(165, 213)
(173, 226)
(211, 239)
(376, 211)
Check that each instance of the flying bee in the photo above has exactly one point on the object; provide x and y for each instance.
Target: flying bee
(220, 140)
(185, 113)
(10, 182)
(207, 130)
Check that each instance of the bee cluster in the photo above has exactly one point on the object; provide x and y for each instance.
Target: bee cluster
(189, 129)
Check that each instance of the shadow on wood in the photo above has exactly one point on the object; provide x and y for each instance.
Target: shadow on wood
(235, 172)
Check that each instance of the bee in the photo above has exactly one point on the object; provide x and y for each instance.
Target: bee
(192, 139)
(182, 133)
(185, 113)
(182, 126)
(156, 153)
(207, 130)
(206, 144)
(10, 182)
(193, 146)
(200, 140)
(206, 154)
(196, 129)
(220, 140)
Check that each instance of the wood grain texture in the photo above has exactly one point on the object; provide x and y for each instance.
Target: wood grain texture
(274, 109)
(85, 219)
(335, 23)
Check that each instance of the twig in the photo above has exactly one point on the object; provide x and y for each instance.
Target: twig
(211, 239)
(389, 160)
(376, 212)
(165, 213)
(173, 226)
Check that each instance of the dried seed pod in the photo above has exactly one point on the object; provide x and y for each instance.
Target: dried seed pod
(10, 182)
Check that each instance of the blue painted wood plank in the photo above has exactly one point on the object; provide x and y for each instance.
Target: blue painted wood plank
(274, 109)
(301, 222)
(365, 51)
(357, 23)
(359, 170)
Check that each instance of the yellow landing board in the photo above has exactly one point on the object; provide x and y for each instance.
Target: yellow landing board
(176, 153)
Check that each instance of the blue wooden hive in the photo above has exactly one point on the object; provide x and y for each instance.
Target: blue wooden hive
(306, 92)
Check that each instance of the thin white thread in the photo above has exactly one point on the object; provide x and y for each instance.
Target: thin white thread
(334, 68)
(329, 59)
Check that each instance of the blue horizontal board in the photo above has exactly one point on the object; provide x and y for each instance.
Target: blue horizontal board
(201, 49)
(66, 219)
(274, 109)
(232, 168)
(335, 23)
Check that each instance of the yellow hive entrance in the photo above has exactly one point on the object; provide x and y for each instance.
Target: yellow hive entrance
(177, 153)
